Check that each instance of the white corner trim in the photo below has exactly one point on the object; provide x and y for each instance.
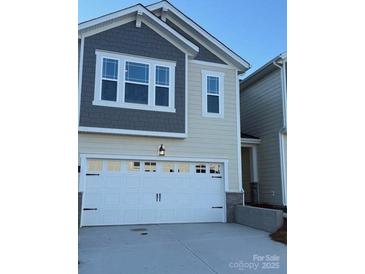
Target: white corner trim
(196, 27)
(131, 132)
(186, 93)
(81, 60)
(282, 169)
(238, 129)
(205, 113)
(211, 64)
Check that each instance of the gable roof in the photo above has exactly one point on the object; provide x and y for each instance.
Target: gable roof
(137, 12)
(208, 39)
(262, 71)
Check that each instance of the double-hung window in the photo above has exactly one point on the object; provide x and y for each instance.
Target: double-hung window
(135, 82)
(212, 94)
(109, 82)
(162, 86)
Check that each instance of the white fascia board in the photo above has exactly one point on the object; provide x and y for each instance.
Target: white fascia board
(108, 17)
(205, 34)
(147, 15)
(131, 132)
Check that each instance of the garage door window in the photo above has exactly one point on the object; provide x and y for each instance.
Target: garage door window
(183, 168)
(113, 165)
(95, 165)
(215, 168)
(134, 166)
(200, 168)
(150, 166)
(168, 167)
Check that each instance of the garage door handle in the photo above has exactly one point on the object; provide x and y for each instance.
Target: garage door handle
(90, 209)
(216, 176)
(159, 197)
(217, 206)
(156, 197)
(92, 174)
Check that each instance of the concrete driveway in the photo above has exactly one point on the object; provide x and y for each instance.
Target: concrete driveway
(179, 248)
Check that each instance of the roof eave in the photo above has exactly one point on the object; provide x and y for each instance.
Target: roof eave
(233, 58)
(189, 47)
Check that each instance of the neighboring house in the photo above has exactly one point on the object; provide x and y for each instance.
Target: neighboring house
(159, 127)
(263, 129)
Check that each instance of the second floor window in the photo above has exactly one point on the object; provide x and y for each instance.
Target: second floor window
(212, 94)
(134, 82)
(109, 85)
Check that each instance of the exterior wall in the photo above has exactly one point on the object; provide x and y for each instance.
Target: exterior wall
(261, 116)
(143, 42)
(204, 54)
(207, 137)
(232, 200)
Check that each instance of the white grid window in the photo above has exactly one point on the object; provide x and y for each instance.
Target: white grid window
(150, 166)
(128, 81)
(200, 168)
(212, 94)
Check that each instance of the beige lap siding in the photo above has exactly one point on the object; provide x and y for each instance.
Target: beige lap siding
(207, 137)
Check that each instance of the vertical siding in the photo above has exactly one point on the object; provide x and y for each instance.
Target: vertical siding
(207, 137)
(261, 116)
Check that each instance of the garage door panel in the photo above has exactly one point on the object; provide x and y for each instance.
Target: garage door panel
(124, 193)
(92, 200)
(112, 201)
(130, 216)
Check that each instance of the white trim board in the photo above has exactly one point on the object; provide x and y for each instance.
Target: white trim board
(238, 128)
(211, 64)
(131, 132)
(81, 65)
(250, 141)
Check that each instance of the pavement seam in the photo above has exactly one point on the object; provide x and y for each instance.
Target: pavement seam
(196, 255)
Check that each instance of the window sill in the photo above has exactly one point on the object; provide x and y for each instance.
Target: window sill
(133, 106)
(213, 115)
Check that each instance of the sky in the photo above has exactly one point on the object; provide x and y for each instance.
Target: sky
(254, 29)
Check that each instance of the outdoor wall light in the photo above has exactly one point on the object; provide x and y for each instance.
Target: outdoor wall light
(161, 150)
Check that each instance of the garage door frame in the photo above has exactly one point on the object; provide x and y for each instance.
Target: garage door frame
(84, 157)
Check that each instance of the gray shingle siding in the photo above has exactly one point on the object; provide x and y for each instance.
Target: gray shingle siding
(262, 116)
(204, 54)
(144, 42)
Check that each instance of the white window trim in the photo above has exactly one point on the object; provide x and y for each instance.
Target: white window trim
(120, 103)
(220, 76)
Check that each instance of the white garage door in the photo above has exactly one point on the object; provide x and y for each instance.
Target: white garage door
(144, 192)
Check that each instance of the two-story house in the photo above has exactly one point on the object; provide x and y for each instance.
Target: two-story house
(264, 131)
(159, 119)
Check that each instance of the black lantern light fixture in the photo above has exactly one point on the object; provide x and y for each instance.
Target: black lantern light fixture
(161, 150)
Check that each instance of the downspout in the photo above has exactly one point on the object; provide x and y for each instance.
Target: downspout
(282, 68)
(283, 89)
